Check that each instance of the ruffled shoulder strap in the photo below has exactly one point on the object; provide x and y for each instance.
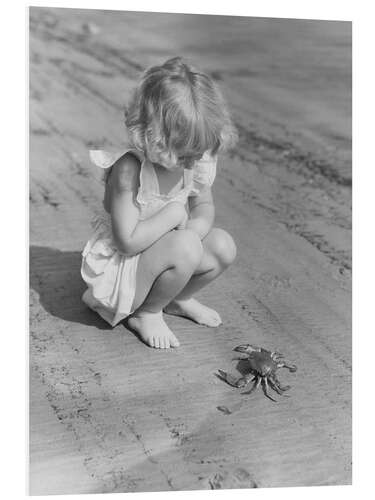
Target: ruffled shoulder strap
(106, 159)
(204, 172)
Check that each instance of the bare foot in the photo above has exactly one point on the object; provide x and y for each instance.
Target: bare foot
(153, 330)
(194, 310)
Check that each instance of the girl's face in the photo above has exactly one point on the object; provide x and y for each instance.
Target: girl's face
(188, 160)
(183, 161)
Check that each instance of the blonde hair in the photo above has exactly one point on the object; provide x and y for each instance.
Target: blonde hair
(177, 110)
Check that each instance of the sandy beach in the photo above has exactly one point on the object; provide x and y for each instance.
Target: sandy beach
(109, 414)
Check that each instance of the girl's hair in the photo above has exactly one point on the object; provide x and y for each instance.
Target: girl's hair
(176, 111)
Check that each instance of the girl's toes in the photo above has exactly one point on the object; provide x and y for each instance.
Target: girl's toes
(174, 342)
(216, 319)
(157, 342)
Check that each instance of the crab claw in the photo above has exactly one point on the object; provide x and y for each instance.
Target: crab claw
(284, 364)
(247, 348)
(233, 381)
(229, 379)
(221, 374)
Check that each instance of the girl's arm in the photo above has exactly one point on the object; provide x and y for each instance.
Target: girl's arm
(202, 213)
(130, 234)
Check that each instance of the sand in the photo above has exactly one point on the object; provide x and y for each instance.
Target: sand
(109, 414)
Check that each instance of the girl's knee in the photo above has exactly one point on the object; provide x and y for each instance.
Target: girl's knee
(222, 247)
(186, 249)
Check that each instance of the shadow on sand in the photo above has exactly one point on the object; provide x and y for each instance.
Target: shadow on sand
(56, 277)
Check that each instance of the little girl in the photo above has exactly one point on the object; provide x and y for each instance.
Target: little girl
(154, 246)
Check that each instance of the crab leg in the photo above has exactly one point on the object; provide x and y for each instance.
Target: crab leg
(256, 380)
(276, 356)
(276, 381)
(265, 387)
(276, 387)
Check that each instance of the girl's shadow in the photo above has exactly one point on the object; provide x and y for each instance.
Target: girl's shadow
(56, 277)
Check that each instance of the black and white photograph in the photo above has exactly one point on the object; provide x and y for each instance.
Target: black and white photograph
(190, 251)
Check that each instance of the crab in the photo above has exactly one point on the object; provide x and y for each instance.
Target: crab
(261, 369)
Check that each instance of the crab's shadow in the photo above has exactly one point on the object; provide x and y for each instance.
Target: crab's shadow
(238, 370)
(243, 366)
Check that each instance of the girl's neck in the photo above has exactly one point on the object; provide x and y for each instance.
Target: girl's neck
(166, 170)
(167, 178)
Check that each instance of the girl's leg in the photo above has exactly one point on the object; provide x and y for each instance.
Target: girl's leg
(219, 251)
(163, 271)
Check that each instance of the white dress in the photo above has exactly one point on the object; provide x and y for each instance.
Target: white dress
(110, 275)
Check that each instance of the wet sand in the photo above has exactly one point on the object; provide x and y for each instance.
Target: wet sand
(108, 414)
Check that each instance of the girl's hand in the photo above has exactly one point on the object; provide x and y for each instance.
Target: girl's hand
(202, 213)
(182, 224)
(183, 216)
